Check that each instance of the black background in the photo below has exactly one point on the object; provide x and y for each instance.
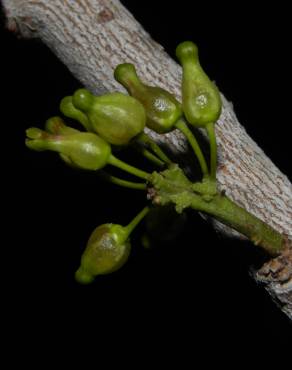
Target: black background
(199, 285)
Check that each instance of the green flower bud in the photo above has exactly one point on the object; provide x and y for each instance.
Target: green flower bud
(200, 96)
(107, 250)
(162, 108)
(116, 117)
(69, 110)
(85, 150)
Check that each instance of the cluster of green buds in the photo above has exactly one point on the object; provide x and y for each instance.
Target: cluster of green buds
(118, 120)
(109, 120)
(201, 103)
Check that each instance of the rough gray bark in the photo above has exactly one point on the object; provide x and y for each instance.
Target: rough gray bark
(92, 36)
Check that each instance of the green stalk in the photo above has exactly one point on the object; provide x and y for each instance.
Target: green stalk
(228, 212)
(147, 154)
(131, 226)
(122, 182)
(145, 139)
(183, 127)
(128, 168)
(170, 187)
(213, 149)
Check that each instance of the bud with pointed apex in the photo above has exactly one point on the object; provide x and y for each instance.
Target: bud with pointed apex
(107, 250)
(162, 108)
(85, 150)
(69, 110)
(116, 117)
(200, 96)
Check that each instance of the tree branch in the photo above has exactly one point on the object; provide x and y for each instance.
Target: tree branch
(92, 36)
